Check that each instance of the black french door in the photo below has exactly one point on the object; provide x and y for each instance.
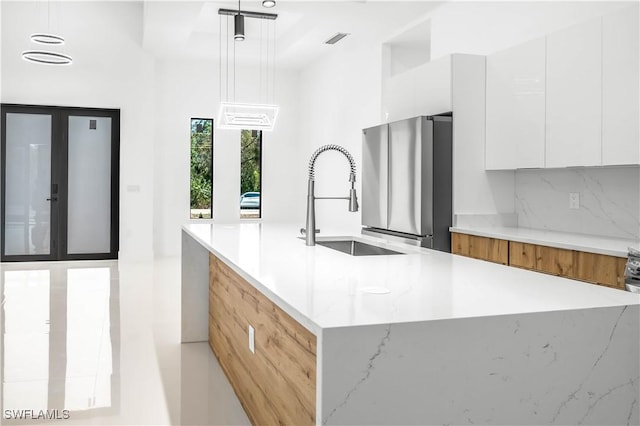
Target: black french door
(60, 181)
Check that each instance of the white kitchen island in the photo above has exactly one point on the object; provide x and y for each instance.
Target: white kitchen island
(428, 337)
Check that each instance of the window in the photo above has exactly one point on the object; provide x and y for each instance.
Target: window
(201, 168)
(250, 174)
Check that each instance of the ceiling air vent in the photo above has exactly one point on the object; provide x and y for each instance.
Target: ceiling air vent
(336, 38)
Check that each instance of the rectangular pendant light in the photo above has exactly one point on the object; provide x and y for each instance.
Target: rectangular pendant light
(247, 116)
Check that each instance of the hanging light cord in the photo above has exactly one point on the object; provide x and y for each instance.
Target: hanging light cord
(260, 84)
(267, 68)
(227, 64)
(273, 88)
(220, 56)
(234, 61)
(234, 67)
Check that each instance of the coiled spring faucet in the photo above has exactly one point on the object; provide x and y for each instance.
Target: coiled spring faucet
(310, 230)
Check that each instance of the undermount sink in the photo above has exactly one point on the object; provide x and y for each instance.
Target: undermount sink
(357, 248)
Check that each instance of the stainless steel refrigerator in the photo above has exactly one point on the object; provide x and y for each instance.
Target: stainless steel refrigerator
(407, 180)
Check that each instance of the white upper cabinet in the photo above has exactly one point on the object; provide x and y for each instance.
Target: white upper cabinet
(620, 87)
(574, 96)
(515, 132)
(423, 90)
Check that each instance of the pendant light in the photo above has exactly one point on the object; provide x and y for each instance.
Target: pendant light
(238, 22)
(44, 56)
(246, 115)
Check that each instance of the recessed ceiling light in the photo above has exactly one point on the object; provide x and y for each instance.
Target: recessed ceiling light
(336, 38)
(268, 3)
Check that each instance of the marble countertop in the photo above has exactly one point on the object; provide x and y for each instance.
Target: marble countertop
(323, 288)
(581, 242)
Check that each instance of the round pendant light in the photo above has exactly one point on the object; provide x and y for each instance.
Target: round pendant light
(268, 3)
(44, 57)
(44, 38)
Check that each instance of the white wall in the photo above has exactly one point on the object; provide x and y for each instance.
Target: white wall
(190, 89)
(339, 96)
(110, 70)
(481, 28)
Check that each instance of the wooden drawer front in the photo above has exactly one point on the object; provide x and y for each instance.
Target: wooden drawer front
(522, 255)
(277, 384)
(460, 244)
(491, 249)
(600, 269)
(555, 261)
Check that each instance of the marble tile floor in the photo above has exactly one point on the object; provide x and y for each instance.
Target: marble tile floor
(98, 343)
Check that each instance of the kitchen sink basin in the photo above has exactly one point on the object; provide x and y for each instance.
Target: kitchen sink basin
(357, 248)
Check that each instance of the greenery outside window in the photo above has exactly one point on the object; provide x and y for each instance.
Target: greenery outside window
(201, 168)
(250, 174)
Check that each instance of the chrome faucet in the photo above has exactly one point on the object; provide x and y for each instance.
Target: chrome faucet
(310, 230)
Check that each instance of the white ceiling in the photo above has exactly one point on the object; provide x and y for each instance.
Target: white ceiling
(185, 29)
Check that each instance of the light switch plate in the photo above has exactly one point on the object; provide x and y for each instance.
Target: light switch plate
(574, 200)
(252, 344)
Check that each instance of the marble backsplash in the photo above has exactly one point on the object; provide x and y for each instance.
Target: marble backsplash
(609, 200)
(485, 220)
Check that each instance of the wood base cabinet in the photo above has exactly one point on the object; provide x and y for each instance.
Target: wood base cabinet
(491, 249)
(600, 269)
(555, 261)
(522, 255)
(276, 383)
(590, 267)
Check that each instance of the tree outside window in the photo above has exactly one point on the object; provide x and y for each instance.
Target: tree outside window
(201, 168)
(250, 174)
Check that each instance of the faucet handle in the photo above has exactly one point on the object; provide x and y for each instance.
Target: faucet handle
(304, 231)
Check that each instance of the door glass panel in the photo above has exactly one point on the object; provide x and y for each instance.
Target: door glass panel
(89, 199)
(28, 183)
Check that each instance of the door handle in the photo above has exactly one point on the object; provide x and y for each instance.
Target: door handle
(52, 199)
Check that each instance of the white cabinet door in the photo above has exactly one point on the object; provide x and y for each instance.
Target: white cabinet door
(574, 96)
(620, 77)
(515, 134)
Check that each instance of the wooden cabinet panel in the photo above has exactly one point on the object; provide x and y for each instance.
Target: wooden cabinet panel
(277, 384)
(460, 244)
(600, 269)
(491, 249)
(522, 255)
(555, 261)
